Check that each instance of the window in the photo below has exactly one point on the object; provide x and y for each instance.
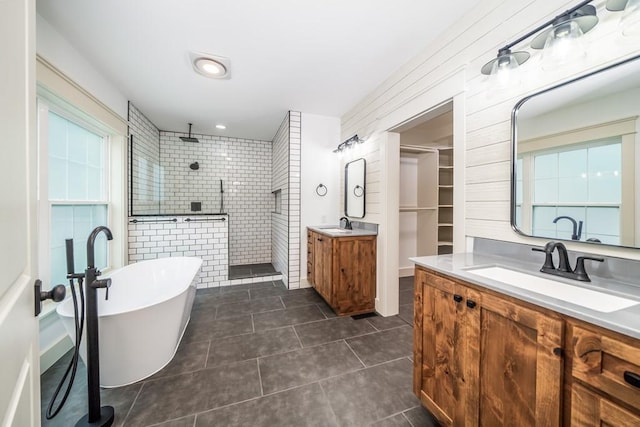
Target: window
(582, 181)
(74, 190)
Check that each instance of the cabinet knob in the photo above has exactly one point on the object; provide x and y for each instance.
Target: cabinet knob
(319, 239)
(557, 351)
(457, 298)
(632, 378)
(471, 303)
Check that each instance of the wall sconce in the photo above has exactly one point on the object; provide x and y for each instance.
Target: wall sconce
(561, 37)
(348, 144)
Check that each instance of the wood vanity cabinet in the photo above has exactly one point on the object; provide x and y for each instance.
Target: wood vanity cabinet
(603, 376)
(343, 271)
(484, 359)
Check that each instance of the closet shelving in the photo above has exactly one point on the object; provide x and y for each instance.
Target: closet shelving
(445, 200)
(434, 206)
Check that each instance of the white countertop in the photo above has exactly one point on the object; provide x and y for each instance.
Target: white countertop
(625, 321)
(326, 229)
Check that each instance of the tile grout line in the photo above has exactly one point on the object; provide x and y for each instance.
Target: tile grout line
(259, 376)
(126, 417)
(354, 353)
(297, 336)
(324, 393)
(206, 360)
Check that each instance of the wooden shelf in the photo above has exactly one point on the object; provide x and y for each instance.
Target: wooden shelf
(445, 243)
(445, 206)
(415, 149)
(445, 186)
(416, 208)
(445, 224)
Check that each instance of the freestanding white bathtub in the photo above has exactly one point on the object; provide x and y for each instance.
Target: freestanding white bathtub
(142, 322)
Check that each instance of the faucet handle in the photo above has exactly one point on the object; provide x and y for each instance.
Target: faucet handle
(580, 272)
(548, 260)
(102, 283)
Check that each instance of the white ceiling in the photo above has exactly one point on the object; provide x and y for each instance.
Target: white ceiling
(318, 57)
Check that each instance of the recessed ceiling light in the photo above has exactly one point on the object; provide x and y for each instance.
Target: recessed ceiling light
(212, 66)
(221, 127)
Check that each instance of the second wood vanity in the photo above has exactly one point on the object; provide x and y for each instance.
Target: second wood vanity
(342, 269)
(482, 357)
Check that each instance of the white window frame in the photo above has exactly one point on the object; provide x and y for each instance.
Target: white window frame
(45, 204)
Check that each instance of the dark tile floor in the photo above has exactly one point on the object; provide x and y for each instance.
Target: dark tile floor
(260, 355)
(251, 270)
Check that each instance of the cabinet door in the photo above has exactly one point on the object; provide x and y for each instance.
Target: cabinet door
(322, 266)
(520, 363)
(445, 348)
(589, 409)
(354, 275)
(484, 360)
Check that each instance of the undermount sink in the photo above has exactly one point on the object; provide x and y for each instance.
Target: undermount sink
(336, 230)
(594, 300)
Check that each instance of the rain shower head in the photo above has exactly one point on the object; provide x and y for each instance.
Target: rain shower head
(189, 138)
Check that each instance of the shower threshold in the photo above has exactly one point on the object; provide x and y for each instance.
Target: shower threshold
(251, 270)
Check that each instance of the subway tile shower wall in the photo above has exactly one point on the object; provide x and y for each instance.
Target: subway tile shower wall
(294, 199)
(244, 166)
(280, 219)
(208, 240)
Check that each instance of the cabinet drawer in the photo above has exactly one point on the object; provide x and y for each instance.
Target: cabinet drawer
(590, 409)
(609, 364)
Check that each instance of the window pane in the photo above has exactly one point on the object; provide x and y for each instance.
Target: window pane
(605, 166)
(76, 161)
(603, 221)
(75, 222)
(546, 190)
(543, 225)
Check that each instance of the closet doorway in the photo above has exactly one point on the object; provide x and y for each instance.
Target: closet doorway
(425, 187)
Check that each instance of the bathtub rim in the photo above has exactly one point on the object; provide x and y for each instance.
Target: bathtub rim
(65, 308)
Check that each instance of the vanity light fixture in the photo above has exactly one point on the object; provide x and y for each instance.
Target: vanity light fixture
(221, 127)
(554, 35)
(348, 144)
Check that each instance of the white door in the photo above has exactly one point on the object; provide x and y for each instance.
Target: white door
(19, 352)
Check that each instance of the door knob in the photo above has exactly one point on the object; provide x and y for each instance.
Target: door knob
(57, 294)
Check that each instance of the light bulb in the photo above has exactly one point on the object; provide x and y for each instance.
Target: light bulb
(630, 20)
(564, 45)
(504, 72)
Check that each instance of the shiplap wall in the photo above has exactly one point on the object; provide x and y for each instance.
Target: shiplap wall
(464, 48)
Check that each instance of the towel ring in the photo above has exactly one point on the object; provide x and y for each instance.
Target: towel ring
(321, 190)
(358, 191)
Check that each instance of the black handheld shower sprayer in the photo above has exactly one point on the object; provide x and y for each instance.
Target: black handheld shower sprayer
(78, 315)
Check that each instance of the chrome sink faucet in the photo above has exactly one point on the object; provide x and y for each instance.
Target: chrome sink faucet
(564, 268)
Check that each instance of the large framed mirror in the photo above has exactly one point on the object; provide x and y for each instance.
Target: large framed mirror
(576, 159)
(354, 188)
